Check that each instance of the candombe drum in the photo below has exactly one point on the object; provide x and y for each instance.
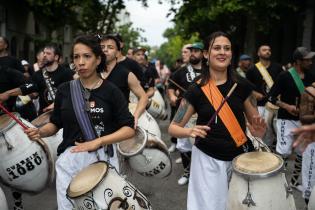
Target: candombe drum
(3, 201)
(99, 186)
(51, 141)
(156, 106)
(134, 145)
(146, 122)
(258, 183)
(25, 165)
(153, 161)
(311, 203)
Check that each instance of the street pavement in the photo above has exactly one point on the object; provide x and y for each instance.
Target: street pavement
(164, 194)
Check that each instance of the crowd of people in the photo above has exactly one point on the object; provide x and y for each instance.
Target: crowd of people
(273, 103)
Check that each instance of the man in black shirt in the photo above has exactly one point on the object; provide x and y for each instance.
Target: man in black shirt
(149, 76)
(6, 60)
(262, 75)
(180, 82)
(120, 76)
(289, 86)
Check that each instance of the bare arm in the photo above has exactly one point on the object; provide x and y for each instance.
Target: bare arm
(150, 92)
(172, 96)
(182, 116)
(47, 130)
(136, 88)
(121, 134)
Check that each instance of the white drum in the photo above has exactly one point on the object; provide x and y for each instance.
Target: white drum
(51, 141)
(25, 165)
(153, 161)
(134, 145)
(3, 201)
(311, 203)
(258, 183)
(99, 186)
(147, 122)
(156, 106)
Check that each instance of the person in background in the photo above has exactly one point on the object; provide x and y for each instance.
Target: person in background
(244, 63)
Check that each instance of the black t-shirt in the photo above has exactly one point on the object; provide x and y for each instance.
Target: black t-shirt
(11, 62)
(183, 77)
(119, 77)
(254, 76)
(218, 142)
(10, 79)
(149, 77)
(57, 77)
(288, 91)
(108, 111)
(134, 67)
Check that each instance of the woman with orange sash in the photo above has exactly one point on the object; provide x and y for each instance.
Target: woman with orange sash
(219, 140)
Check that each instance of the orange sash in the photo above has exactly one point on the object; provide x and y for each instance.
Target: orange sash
(226, 114)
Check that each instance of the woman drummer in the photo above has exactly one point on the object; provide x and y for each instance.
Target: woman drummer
(108, 111)
(215, 147)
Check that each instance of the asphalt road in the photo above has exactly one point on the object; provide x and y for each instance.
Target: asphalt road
(164, 194)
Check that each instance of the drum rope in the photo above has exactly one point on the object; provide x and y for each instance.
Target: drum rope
(248, 199)
(9, 146)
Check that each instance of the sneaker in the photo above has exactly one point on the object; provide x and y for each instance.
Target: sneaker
(297, 186)
(179, 160)
(184, 179)
(172, 148)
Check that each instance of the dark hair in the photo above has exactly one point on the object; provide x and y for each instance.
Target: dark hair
(93, 43)
(111, 37)
(5, 41)
(56, 49)
(205, 73)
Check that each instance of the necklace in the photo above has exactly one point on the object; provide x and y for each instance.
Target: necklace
(87, 94)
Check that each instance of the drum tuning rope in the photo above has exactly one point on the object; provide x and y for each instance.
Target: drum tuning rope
(13, 117)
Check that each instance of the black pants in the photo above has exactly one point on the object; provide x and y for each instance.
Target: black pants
(186, 159)
(173, 112)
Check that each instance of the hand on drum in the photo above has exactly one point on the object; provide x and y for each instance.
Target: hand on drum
(49, 108)
(32, 133)
(88, 146)
(199, 130)
(305, 135)
(257, 127)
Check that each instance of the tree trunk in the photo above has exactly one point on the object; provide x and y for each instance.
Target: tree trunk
(250, 36)
(308, 24)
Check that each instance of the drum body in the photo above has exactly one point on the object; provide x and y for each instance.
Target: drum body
(147, 122)
(3, 201)
(156, 106)
(257, 183)
(153, 161)
(51, 141)
(99, 186)
(24, 164)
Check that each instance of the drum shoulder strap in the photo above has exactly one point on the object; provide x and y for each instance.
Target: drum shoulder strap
(265, 74)
(297, 80)
(79, 109)
(226, 114)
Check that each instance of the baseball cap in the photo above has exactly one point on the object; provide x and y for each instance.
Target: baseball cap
(301, 53)
(245, 57)
(136, 49)
(24, 62)
(196, 45)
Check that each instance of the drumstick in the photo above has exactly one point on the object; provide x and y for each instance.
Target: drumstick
(180, 87)
(221, 105)
(13, 117)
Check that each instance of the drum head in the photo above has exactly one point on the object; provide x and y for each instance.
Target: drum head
(257, 164)
(133, 146)
(42, 119)
(6, 122)
(87, 179)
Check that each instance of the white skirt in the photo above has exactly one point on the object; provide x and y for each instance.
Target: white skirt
(208, 182)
